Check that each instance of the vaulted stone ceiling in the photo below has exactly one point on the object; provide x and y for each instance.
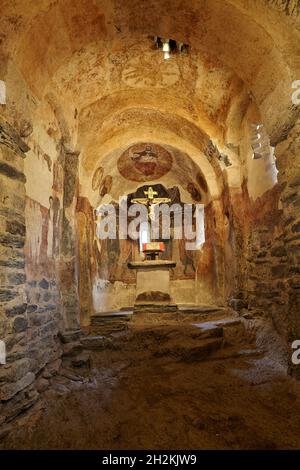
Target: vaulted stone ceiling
(94, 63)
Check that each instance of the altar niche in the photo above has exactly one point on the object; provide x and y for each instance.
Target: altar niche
(194, 276)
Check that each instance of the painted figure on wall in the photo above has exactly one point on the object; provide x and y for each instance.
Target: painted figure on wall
(187, 259)
(58, 177)
(194, 192)
(53, 226)
(97, 178)
(202, 182)
(126, 255)
(50, 234)
(145, 162)
(106, 185)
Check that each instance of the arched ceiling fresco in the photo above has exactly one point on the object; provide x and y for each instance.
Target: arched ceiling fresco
(145, 162)
(97, 59)
(123, 171)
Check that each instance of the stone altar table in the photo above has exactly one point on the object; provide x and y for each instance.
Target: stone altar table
(153, 286)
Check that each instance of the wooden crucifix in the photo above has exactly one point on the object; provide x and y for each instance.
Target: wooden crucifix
(151, 201)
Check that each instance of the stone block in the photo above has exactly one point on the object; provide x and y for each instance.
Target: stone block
(279, 270)
(44, 284)
(16, 278)
(20, 324)
(15, 371)
(5, 431)
(15, 228)
(70, 336)
(97, 343)
(72, 349)
(16, 310)
(53, 367)
(7, 295)
(296, 228)
(14, 241)
(12, 263)
(21, 402)
(46, 297)
(238, 304)
(49, 328)
(279, 251)
(42, 384)
(9, 390)
(32, 308)
(81, 360)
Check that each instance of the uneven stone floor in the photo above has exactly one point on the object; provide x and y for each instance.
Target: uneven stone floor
(166, 386)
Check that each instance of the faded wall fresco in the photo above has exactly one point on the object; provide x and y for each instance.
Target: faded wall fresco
(122, 172)
(145, 162)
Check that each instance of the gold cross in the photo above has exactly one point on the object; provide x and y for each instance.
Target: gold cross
(150, 193)
(150, 198)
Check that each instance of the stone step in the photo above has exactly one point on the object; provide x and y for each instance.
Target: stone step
(109, 322)
(110, 317)
(184, 342)
(190, 351)
(235, 353)
(97, 343)
(223, 323)
(201, 309)
(170, 332)
(187, 341)
(213, 332)
(233, 328)
(203, 313)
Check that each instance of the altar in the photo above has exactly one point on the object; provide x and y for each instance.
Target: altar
(152, 274)
(153, 286)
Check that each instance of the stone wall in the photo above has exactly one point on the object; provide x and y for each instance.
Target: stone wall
(17, 390)
(38, 280)
(42, 290)
(259, 248)
(267, 232)
(288, 154)
(68, 264)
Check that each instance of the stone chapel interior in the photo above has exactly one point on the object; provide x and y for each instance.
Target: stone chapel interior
(195, 102)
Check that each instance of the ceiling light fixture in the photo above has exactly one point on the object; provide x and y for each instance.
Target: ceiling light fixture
(170, 46)
(166, 46)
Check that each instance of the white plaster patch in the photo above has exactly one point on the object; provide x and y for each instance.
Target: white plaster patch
(2, 353)
(108, 296)
(2, 92)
